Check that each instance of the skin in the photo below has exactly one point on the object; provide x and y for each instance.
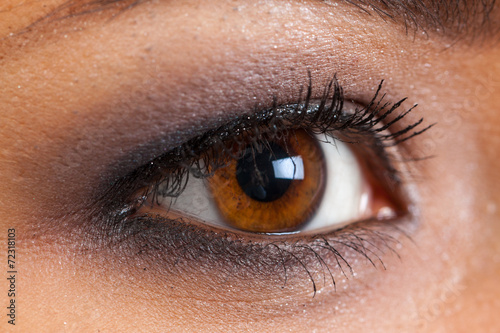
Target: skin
(80, 95)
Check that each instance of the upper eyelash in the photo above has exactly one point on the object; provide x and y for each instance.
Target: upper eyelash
(170, 172)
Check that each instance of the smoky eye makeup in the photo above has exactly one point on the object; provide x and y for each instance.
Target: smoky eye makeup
(298, 188)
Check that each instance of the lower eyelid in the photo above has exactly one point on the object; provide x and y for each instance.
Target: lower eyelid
(175, 249)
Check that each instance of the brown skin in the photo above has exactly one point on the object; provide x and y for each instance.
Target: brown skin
(75, 101)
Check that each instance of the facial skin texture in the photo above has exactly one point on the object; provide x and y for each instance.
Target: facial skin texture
(79, 95)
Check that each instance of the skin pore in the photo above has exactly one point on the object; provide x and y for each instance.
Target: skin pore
(87, 99)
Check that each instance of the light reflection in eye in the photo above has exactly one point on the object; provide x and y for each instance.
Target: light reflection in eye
(289, 168)
(295, 183)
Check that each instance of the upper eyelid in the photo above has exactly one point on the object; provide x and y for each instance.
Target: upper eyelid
(154, 171)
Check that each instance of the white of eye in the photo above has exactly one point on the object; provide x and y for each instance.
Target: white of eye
(345, 199)
(346, 195)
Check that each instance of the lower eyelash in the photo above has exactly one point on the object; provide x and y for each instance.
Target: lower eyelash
(181, 248)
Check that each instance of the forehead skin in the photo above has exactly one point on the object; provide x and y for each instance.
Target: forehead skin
(80, 94)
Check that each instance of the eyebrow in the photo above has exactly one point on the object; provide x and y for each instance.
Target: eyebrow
(452, 18)
(455, 18)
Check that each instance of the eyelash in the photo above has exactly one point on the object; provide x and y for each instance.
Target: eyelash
(170, 173)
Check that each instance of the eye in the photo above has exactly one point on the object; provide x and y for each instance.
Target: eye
(300, 167)
(279, 189)
(296, 181)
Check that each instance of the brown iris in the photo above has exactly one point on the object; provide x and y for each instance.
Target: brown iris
(274, 188)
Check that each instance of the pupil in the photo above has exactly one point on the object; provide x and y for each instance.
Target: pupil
(266, 176)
